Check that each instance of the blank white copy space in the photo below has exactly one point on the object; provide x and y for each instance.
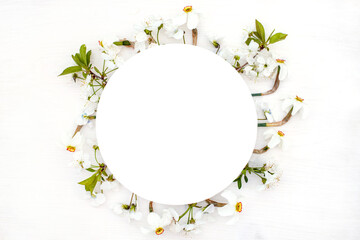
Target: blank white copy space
(176, 124)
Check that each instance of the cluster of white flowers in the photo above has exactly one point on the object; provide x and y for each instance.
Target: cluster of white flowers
(252, 60)
(147, 31)
(248, 58)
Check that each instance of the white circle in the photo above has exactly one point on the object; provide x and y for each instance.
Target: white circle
(176, 124)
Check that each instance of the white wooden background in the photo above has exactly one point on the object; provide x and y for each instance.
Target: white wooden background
(319, 194)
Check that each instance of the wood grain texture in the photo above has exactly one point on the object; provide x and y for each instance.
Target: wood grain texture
(319, 194)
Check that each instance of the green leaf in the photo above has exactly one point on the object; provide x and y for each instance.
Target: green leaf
(69, 70)
(83, 54)
(90, 182)
(78, 57)
(90, 170)
(260, 30)
(277, 37)
(239, 183)
(267, 40)
(97, 70)
(253, 39)
(88, 54)
(122, 43)
(246, 178)
(76, 60)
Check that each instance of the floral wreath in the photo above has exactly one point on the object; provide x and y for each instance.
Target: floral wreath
(251, 58)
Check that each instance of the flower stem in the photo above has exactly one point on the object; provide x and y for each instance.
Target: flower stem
(151, 207)
(131, 199)
(262, 150)
(157, 35)
(218, 49)
(215, 203)
(274, 88)
(195, 36)
(279, 123)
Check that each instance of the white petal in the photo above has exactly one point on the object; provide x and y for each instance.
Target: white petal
(230, 196)
(269, 133)
(165, 220)
(283, 72)
(192, 21)
(154, 219)
(136, 215)
(178, 34)
(227, 210)
(198, 215)
(210, 209)
(274, 141)
(253, 46)
(172, 213)
(189, 227)
(287, 104)
(179, 20)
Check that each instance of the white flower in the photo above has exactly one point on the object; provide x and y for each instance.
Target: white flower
(81, 159)
(267, 112)
(157, 223)
(129, 211)
(151, 23)
(244, 35)
(265, 65)
(198, 219)
(88, 110)
(215, 40)
(72, 144)
(98, 199)
(273, 178)
(233, 207)
(249, 70)
(110, 52)
(140, 41)
(173, 30)
(188, 16)
(283, 68)
(229, 54)
(175, 225)
(297, 104)
(276, 138)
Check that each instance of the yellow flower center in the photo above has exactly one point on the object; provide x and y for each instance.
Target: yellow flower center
(71, 148)
(299, 99)
(159, 231)
(238, 207)
(187, 9)
(280, 60)
(281, 134)
(101, 44)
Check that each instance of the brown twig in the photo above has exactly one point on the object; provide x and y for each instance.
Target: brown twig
(194, 36)
(262, 150)
(78, 128)
(274, 88)
(278, 123)
(215, 203)
(151, 207)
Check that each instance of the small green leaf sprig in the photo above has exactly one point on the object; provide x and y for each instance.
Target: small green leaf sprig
(257, 171)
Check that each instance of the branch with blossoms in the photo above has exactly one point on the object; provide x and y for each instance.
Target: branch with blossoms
(252, 58)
